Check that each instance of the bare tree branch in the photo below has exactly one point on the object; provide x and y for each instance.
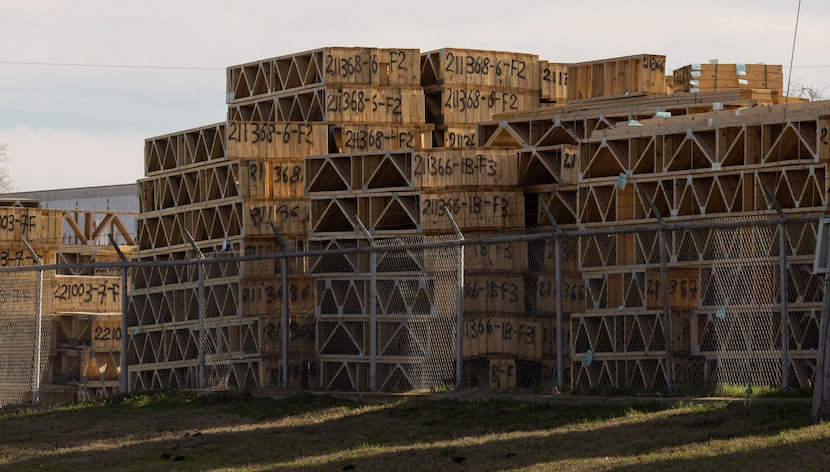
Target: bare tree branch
(6, 184)
(797, 89)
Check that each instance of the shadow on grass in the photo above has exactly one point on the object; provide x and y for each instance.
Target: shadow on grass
(806, 455)
(321, 433)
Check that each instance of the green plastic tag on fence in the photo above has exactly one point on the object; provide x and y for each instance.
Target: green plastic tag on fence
(622, 180)
(587, 358)
(721, 313)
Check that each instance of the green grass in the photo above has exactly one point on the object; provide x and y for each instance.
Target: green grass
(188, 431)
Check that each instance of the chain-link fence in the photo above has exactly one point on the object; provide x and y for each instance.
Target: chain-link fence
(688, 307)
(385, 319)
(24, 349)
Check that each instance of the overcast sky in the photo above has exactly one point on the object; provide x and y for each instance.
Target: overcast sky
(74, 126)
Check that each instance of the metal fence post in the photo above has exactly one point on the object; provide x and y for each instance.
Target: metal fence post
(560, 303)
(667, 324)
(785, 329)
(285, 292)
(459, 301)
(38, 323)
(373, 294)
(821, 381)
(664, 282)
(124, 380)
(200, 265)
(783, 289)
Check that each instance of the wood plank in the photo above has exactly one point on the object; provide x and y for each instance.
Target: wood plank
(40, 226)
(468, 104)
(684, 288)
(329, 65)
(275, 139)
(502, 374)
(260, 178)
(494, 293)
(554, 82)
(83, 293)
(372, 137)
(302, 334)
(460, 168)
(303, 372)
(824, 138)
(455, 135)
(617, 77)
(504, 334)
(18, 293)
(267, 245)
(574, 296)
(500, 69)
(105, 332)
(472, 210)
(639, 104)
(366, 104)
(290, 215)
(510, 256)
(713, 77)
(263, 295)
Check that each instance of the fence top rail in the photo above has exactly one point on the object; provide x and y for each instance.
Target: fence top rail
(533, 234)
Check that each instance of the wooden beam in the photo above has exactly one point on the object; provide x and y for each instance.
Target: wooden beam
(79, 233)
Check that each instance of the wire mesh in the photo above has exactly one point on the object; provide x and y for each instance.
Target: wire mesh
(217, 325)
(184, 317)
(740, 336)
(20, 373)
(734, 326)
(277, 306)
(509, 326)
(804, 295)
(622, 339)
(408, 295)
(703, 315)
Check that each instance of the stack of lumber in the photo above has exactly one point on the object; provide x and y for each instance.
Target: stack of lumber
(229, 184)
(404, 193)
(371, 97)
(397, 191)
(272, 181)
(641, 74)
(81, 313)
(86, 308)
(714, 76)
(224, 184)
(693, 168)
(696, 156)
(88, 333)
(320, 115)
(371, 101)
(41, 228)
(553, 83)
(399, 194)
(466, 86)
(408, 311)
(318, 142)
(190, 186)
(547, 140)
